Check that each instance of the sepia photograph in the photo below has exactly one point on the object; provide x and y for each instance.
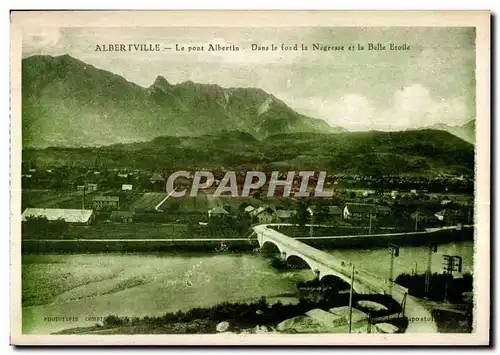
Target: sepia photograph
(258, 178)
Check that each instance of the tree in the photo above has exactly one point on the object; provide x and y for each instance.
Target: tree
(302, 217)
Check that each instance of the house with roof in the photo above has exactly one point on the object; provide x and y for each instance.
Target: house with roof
(249, 209)
(359, 211)
(217, 212)
(127, 187)
(264, 214)
(284, 216)
(383, 211)
(122, 216)
(335, 213)
(91, 187)
(54, 214)
(103, 201)
(156, 178)
(451, 216)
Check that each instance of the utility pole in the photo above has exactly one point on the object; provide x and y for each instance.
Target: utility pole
(83, 197)
(311, 228)
(451, 263)
(403, 304)
(350, 298)
(394, 249)
(431, 248)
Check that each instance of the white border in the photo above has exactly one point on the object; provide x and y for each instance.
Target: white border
(479, 19)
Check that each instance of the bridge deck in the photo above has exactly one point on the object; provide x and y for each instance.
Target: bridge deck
(370, 282)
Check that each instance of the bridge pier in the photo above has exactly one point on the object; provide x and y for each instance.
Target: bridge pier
(283, 256)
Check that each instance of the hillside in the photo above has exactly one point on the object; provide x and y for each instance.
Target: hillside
(467, 131)
(365, 153)
(67, 102)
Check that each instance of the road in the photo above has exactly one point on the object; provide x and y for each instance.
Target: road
(420, 319)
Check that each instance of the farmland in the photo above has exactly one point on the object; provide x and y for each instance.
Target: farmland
(53, 198)
(147, 201)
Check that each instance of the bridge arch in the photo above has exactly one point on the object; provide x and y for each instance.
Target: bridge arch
(298, 262)
(335, 281)
(270, 247)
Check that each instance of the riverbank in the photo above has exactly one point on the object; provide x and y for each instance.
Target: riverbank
(238, 317)
(105, 244)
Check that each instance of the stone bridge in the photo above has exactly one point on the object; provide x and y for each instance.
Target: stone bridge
(323, 264)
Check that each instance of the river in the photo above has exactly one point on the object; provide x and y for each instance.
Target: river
(82, 286)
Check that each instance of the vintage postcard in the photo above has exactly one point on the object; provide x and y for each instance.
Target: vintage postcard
(250, 177)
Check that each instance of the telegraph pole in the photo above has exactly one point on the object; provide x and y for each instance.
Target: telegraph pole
(431, 248)
(350, 298)
(451, 263)
(83, 197)
(394, 249)
(311, 228)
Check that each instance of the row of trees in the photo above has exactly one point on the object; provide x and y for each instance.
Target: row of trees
(40, 226)
(441, 286)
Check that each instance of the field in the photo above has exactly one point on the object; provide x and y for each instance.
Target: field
(54, 199)
(147, 201)
(69, 199)
(134, 201)
(203, 202)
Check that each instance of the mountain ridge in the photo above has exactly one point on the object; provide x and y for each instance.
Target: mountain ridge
(466, 131)
(417, 152)
(68, 102)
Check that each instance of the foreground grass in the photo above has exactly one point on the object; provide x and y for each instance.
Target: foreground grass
(241, 316)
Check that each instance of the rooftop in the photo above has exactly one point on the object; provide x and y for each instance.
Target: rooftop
(107, 198)
(361, 208)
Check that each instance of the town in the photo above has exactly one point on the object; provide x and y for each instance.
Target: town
(108, 201)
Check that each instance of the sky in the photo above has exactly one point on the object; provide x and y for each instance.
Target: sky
(432, 82)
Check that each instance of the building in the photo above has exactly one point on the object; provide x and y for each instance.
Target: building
(249, 209)
(100, 202)
(445, 202)
(335, 213)
(87, 187)
(452, 216)
(91, 187)
(122, 216)
(54, 214)
(127, 187)
(383, 211)
(217, 212)
(359, 211)
(263, 214)
(156, 179)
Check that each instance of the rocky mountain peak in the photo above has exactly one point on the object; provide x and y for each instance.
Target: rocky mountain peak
(161, 83)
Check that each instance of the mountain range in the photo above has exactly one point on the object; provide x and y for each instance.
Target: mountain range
(74, 113)
(66, 102)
